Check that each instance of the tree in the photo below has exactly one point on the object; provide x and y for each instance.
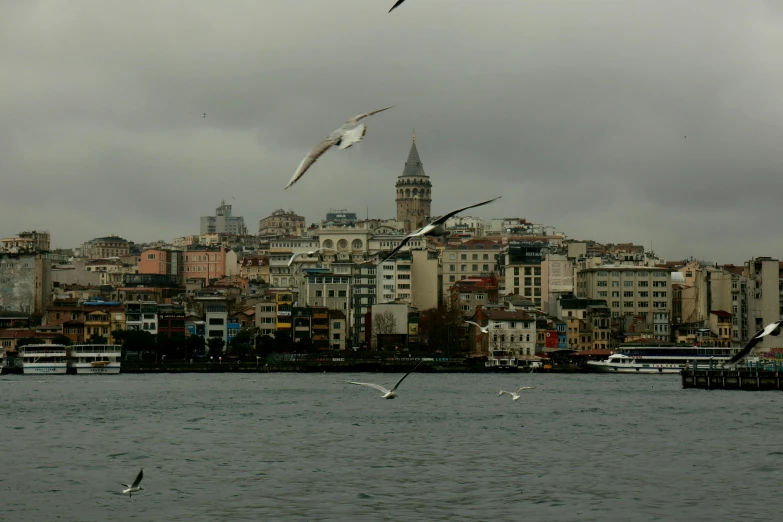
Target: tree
(97, 339)
(215, 345)
(241, 344)
(194, 345)
(383, 323)
(61, 339)
(440, 329)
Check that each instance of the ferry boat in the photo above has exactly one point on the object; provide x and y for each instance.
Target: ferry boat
(661, 358)
(501, 360)
(96, 358)
(44, 358)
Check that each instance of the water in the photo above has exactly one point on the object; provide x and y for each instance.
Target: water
(288, 447)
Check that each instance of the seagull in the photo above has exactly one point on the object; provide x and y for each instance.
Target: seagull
(311, 253)
(351, 132)
(135, 486)
(395, 6)
(770, 329)
(484, 329)
(388, 394)
(515, 395)
(435, 228)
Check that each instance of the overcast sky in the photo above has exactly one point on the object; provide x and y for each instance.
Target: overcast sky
(650, 121)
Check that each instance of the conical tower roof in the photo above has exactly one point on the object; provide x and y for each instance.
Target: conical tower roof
(413, 167)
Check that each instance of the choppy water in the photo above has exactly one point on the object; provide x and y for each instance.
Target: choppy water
(288, 447)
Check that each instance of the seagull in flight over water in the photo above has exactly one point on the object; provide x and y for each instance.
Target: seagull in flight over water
(311, 253)
(484, 329)
(351, 132)
(515, 395)
(395, 6)
(437, 228)
(770, 329)
(133, 488)
(388, 394)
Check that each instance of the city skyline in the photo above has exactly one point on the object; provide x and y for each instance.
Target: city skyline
(612, 122)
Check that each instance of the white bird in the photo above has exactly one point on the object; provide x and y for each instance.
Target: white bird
(311, 253)
(351, 132)
(436, 228)
(770, 329)
(387, 394)
(484, 329)
(133, 488)
(515, 395)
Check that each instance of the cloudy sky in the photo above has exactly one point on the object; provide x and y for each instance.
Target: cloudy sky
(655, 122)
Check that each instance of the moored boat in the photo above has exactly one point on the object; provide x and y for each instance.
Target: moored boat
(96, 358)
(44, 359)
(660, 359)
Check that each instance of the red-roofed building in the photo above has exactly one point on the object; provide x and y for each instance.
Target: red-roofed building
(474, 292)
(509, 331)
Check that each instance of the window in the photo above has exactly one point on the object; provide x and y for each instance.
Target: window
(341, 293)
(627, 294)
(602, 293)
(151, 257)
(627, 283)
(452, 268)
(644, 283)
(466, 308)
(601, 283)
(319, 293)
(331, 293)
(615, 284)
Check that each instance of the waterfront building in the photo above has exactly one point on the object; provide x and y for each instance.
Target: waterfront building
(282, 222)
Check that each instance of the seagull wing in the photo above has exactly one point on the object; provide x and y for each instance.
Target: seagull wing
(403, 377)
(444, 217)
(752, 343)
(352, 136)
(372, 385)
(138, 479)
(398, 247)
(311, 158)
(292, 259)
(471, 322)
(360, 117)
(395, 6)
(504, 392)
(524, 388)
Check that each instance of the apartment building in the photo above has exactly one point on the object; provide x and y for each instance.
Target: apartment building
(470, 259)
(632, 291)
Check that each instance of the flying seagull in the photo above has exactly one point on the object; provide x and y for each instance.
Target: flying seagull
(388, 394)
(311, 253)
(133, 488)
(515, 395)
(484, 329)
(351, 132)
(436, 228)
(770, 329)
(395, 6)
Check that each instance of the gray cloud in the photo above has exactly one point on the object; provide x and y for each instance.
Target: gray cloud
(577, 112)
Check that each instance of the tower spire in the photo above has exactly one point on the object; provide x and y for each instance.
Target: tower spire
(414, 134)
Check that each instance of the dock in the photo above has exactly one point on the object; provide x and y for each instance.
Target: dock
(735, 379)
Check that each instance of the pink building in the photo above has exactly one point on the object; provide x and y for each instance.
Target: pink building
(204, 263)
(162, 262)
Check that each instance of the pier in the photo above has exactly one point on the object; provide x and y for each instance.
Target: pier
(735, 379)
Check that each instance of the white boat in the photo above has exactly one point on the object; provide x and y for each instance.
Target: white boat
(96, 358)
(661, 359)
(501, 360)
(44, 358)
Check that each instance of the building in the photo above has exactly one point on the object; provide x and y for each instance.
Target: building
(470, 259)
(414, 192)
(510, 331)
(632, 291)
(141, 316)
(337, 329)
(764, 298)
(105, 247)
(35, 241)
(282, 222)
(255, 268)
(223, 222)
(204, 263)
(473, 293)
(25, 282)
(163, 262)
(521, 269)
